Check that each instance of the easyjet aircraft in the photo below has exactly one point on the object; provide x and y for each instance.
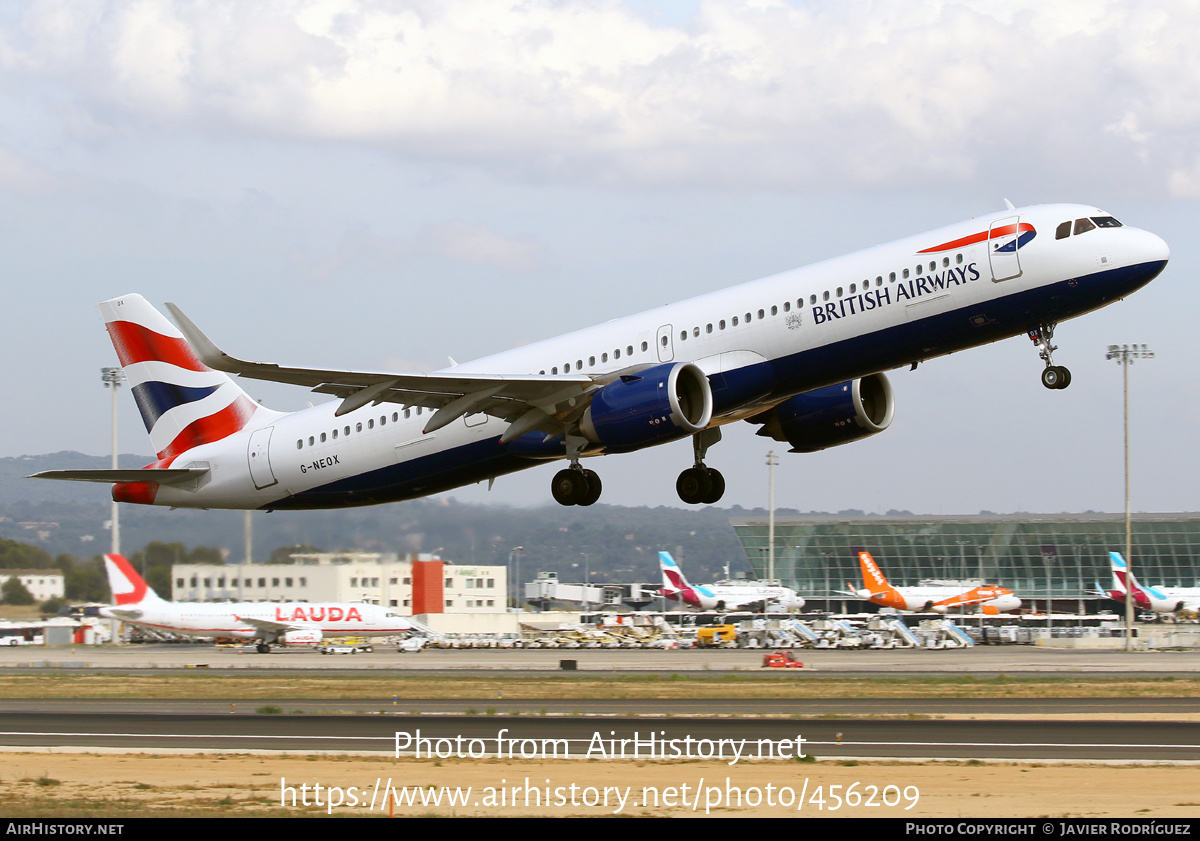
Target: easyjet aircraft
(936, 598)
(801, 355)
(267, 622)
(1156, 599)
(724, 595)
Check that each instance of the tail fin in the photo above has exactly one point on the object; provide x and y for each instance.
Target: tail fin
(673, 578)
(872, 575)
(1118, 571)
(128, 588)
(183, 402)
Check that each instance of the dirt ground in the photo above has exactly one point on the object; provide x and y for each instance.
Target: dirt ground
(116, 785)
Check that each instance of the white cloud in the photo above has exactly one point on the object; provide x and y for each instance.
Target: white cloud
(758, 91)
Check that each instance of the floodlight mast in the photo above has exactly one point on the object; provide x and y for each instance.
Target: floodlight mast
(1124, 355)
(113, 377)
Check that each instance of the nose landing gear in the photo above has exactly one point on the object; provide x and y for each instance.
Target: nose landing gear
(1053, 376)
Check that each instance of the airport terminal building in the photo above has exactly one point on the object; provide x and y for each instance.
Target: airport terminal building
(1038, 556)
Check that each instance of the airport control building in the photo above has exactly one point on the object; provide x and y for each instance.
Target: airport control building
(1037, 556)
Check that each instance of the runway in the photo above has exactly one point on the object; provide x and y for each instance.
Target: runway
(574, 736)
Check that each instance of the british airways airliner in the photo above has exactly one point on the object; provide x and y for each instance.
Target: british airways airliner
(800, 354)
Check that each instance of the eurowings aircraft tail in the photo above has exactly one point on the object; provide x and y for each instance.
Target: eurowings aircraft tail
(129, 590)
(674, 581)
(183, 402)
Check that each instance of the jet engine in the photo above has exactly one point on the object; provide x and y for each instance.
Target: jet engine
(827, 417)
(302, 636)
(659, 404)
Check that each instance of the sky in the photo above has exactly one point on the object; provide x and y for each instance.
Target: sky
(385, 185)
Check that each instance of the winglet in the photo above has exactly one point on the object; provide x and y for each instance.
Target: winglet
(209, 354)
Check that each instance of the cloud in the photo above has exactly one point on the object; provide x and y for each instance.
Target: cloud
(479, 245)
(747, 91)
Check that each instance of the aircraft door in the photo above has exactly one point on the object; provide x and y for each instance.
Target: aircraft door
(1002, 248)
(259, 458)
(666, 348)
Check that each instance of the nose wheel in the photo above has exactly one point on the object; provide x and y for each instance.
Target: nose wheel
(1053, 376)
(700, 484)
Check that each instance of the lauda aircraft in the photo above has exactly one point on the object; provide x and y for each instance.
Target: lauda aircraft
(1155, 599)
(723, 595)
(937, 599)
(799, 354)
(285, 623)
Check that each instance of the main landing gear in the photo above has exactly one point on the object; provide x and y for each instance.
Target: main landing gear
(575, 485)
(699, 484)
(263, 648)
(1053, 376)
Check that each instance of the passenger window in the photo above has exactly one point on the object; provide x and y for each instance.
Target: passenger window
(617, 353)
(800, 303)
(734, 322)
(695, 332)
(592, 359)
(825, 295)
(1082, 226)
(604, 357)
(322, 437)
(395, 417)
(707, 328)
(358, 427)
(787, 306)
(579, 362)
(853, 288)
(347, 430)
(645, 347)
(383, 420)
(407, 413)
(945, 262)
(310, 440)
(683, 335)
(892, 277)
(567, 368)
(335, 435)
(774, 310)
(879, 281)
(1062, 231)
(371, 423)
(958, 258)
(749, 318)
(905, 273)
(839, 291)
(722, 323)
(300, 444)
(813, 300)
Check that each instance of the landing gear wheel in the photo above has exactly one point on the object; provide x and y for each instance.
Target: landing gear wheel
(1056, 376)
(594, 487)
(695, 485)
(262, 648)
(568, 486)
(718, 487)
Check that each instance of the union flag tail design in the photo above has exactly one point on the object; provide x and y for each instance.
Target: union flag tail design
(183, 402)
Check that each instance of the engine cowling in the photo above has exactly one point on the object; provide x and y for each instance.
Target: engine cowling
(652, 406)
(302, 636)
(836, 414)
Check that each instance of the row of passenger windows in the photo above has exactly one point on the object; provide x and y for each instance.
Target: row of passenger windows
(1082, 226)
(761, 314)
(313, 440)
(616, 354)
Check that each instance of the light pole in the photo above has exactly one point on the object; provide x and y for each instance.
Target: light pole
(771, 462)
(516, 552)
(1124, 356)
(113, 377)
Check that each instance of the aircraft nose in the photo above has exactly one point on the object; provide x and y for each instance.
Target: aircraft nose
(1150, 248)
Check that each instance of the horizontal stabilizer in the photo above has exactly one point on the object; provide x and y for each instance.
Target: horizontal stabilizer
(158, 475)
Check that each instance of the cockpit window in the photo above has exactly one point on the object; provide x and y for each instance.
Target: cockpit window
(1083, 226)
(1062, 231)
(1106, 222)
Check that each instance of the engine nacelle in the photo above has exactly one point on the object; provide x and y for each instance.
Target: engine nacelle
(836, 414)
(655, 405)
(302, 636)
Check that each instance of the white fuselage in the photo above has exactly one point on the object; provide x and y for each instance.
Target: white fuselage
(848, 317)
(218, 620)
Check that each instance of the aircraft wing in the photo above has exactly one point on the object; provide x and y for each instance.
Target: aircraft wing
(526, 401)
(123, 613)
(268, 625)
(159, 475)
